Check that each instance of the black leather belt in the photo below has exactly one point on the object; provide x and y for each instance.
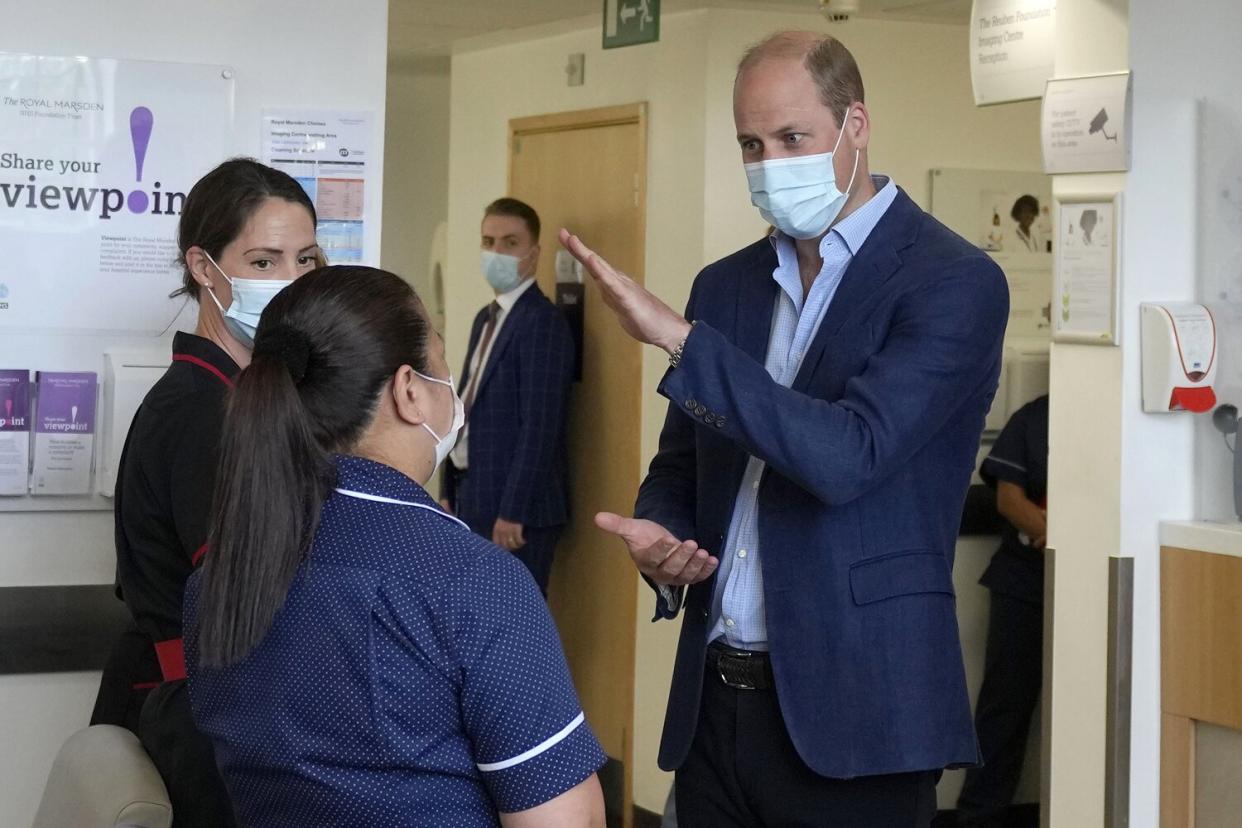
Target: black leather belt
(740, 669)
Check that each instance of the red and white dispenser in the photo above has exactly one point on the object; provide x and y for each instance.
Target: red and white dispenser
(1179, 357)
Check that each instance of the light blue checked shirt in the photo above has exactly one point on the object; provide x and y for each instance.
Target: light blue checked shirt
(737, 606)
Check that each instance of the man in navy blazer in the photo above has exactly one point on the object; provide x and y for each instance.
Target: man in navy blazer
(506, 477)
(828, 387)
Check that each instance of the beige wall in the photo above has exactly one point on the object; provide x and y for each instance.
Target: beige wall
(416, 165)
(698, 207)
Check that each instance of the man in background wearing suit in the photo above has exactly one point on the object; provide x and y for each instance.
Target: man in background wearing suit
(506, 477)
(827, 387)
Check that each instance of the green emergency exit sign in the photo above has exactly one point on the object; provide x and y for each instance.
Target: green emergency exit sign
(630, 22)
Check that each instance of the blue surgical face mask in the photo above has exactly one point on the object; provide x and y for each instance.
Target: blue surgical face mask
(500, 270)
(799, 195)
(250, 297)
(445, 444)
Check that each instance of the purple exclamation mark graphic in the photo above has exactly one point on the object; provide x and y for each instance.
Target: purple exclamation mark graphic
(140, 122)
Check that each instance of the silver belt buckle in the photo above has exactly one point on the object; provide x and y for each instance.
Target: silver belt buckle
(735, 684)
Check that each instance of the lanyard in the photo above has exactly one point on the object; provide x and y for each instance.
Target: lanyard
(379, 499)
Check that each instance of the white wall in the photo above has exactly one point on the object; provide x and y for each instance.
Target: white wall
(1084, 481)
(918, 90)
(1116, 472)
(1177, 57)
(416, 165)
(285, 53)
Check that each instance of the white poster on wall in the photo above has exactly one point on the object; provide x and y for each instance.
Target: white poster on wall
(96, 158)
(1085, 273)
(1085, 124)
(332, 155)
(1011, 49)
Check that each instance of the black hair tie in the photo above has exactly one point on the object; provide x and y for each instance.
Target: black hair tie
(289, 344)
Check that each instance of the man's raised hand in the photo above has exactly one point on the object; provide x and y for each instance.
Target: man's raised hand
(641, 313)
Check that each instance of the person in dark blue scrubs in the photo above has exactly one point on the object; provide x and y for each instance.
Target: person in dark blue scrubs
(357, 656)
(1017, 467)
(245, 231)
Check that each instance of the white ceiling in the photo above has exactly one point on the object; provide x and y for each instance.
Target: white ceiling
(429, 27)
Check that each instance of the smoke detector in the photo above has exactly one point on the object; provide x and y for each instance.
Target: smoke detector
(838, 11)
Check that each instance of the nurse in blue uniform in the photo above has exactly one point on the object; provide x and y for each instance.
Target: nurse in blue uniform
(245, 232)
(1017, 467)
(357, 656)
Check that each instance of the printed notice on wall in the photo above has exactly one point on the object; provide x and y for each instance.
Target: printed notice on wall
(64, 433)
(332, 155)
(14, 432)
(1085, 124)
(1085, 272)
(96, 158)
(1011, 49)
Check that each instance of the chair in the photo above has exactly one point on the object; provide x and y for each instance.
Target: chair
(102, 778)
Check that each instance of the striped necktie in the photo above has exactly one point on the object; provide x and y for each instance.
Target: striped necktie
(493, 311)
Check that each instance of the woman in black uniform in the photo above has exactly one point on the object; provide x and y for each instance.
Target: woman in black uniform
(246, 231)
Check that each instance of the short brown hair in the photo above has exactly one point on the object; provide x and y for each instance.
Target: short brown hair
(518, 209)
(830, 64)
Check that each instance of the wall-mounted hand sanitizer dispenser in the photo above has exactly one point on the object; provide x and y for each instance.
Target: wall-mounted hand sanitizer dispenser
(1179, 357)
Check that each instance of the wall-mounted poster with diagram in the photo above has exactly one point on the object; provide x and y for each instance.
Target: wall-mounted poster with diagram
(332, 155)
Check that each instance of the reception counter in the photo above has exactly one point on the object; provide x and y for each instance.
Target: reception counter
(1201, 674)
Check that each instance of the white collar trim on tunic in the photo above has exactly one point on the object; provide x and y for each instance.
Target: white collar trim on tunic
(381, 499)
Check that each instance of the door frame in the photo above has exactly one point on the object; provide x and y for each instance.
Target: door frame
(620, 114)
(605, 116)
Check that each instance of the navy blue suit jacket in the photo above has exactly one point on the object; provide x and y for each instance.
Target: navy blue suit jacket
(518, 465)
(869, 455)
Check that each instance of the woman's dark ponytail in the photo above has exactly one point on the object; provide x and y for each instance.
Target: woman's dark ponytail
(324, 349)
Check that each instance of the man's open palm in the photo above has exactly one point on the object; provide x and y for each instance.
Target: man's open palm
(657, 554)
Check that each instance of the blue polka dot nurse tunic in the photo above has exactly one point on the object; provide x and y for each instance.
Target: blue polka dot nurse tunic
(413, 677)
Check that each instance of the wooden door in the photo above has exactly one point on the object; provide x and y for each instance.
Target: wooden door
(587, 171)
